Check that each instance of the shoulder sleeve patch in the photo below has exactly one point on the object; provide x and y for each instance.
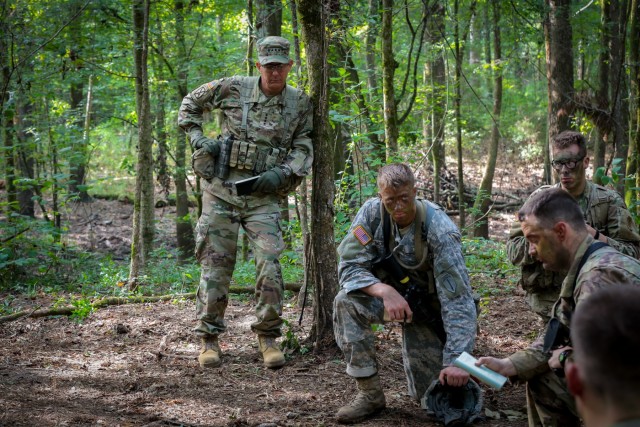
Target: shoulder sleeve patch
(362, 236)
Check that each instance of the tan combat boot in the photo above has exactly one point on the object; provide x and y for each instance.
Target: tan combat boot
(210, 352)
(273, 357)
(369, 400)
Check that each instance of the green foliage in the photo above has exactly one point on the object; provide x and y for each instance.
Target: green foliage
(290, 342)
(600, 175)
(290, 261)
(490, 271)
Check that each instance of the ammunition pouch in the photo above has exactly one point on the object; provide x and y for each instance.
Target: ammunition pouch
(203, 163)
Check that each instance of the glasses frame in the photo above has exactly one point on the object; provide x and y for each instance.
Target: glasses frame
(569, 164)
(275, 67)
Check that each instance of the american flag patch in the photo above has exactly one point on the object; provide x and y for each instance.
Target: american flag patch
(361, 234)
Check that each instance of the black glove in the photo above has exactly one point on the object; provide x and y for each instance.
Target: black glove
(269, 181)
(200, 141)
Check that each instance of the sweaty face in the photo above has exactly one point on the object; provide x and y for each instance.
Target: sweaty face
(273, 77)
(400, 203)
(544, 245)
(571, 169)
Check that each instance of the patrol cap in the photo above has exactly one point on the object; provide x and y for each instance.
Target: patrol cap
(273, 49)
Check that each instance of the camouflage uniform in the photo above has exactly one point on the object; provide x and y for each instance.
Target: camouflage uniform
(443, 277)
(548, 399)
(605, 211)
(270, 125)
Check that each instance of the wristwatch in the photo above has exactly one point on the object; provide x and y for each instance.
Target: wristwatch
(563, 356)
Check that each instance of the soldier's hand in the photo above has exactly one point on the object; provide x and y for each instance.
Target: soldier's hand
(395, 305)
(211, 145)
(453, 376)
(502, 366)
(269, 181)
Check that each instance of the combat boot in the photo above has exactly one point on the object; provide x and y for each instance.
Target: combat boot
(271, 354)
(210, 352)
(369, 400)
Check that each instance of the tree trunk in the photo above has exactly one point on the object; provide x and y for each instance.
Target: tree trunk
(322, 263)
(619, 90)
(559, 55)
(483, 199)
(268, 18)
(458, 116)
(437, 97)
(79, 156)
(143, 228)
(388, 91)
(184, 228)
(634, 146)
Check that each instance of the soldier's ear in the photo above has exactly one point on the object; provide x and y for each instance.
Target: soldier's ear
(560, 229)
(574, 382)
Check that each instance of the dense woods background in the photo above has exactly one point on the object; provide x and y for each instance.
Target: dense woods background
(90, 91)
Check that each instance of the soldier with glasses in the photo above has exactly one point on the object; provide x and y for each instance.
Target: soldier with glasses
(605, 213)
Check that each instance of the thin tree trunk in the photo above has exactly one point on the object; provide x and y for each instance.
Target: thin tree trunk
(184, 228)
(388, 91)
(436, 79)
(559, 55)
(143, 227)
(483, 199)
(634, 146)
(322, 264)
(458, 116)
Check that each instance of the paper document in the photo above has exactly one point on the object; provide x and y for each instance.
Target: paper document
(491, 378)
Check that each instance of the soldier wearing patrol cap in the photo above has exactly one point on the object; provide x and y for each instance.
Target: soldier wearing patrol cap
(265, 135)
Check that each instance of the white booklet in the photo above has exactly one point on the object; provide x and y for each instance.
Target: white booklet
(491, 378)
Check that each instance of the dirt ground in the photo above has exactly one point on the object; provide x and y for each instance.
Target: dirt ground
(136, 364)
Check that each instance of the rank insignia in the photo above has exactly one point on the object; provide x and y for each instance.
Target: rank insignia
(361, 234)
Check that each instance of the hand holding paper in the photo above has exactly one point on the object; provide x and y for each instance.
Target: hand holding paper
(491, 378)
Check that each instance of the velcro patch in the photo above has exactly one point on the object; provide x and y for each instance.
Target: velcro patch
(361, 234)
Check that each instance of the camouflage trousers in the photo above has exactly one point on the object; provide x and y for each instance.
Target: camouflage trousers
(216, 247)
(549, 403)
(353, 315)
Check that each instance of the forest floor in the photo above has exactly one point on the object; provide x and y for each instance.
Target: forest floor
(136, 364)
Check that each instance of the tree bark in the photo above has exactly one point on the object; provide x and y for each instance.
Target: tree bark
(481, 206)
(388, 92)
(184, 228)
(268, 18)
(143, 228)
(559, 55)
(435, 80)
(634, 147)
(322, 263)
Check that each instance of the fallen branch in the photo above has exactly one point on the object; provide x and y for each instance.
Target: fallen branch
(138, 299)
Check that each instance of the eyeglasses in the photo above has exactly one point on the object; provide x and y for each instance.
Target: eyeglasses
(275, 67)
(569, 163)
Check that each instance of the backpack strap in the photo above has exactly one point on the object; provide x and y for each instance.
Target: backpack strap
(247, 88)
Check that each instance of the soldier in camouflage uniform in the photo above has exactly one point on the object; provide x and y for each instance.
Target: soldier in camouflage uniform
(553, 223)
(266, 132)
(603, 371)
(439, 314)
(605, 212)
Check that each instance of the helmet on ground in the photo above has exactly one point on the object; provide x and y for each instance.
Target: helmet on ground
(454, 406)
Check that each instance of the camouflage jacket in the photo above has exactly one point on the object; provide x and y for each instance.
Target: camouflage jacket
(363, 246)
(269, 125)
(604, 267)
(603, 209)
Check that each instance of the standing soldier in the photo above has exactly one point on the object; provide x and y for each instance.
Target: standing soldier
(266, 135)
(604, 211)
